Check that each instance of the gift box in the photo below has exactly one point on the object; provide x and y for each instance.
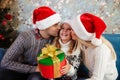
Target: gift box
(50, 62)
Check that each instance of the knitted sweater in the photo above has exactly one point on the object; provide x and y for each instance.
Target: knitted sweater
(73, 59)
(28, 44)
(100, 63)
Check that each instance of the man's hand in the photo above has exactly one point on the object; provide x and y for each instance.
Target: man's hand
(37, 69)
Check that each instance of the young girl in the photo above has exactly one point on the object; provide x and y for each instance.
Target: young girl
(99, 55)
(72, 52)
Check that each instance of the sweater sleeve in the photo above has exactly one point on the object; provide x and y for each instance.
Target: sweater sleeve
(10, 58)
(102, 55)
(74, 65)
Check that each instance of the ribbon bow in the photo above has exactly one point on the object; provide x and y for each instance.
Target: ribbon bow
(49, 50)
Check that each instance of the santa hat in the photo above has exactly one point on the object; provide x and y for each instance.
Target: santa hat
(88, 27)
(44, 17)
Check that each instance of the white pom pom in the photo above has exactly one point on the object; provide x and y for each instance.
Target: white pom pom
(96, 42)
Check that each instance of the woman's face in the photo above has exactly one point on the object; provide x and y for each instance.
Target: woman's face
(73, 35)
(65, 32)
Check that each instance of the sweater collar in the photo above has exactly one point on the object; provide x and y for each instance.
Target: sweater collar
(64, 44)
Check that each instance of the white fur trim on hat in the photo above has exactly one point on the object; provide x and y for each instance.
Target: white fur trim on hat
(80, 30)
(46, 23)
(96, 41)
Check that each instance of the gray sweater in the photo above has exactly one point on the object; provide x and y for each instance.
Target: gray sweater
(21, 56)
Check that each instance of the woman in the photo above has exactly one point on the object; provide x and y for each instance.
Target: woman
(72, 52)
(99, 55)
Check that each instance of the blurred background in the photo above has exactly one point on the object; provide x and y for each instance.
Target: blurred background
(16, 15)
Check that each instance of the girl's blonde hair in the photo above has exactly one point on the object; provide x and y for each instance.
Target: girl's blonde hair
(74, 44)
(72, 47)
(105, 41)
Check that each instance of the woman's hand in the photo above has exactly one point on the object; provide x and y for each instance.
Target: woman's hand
(66, 68)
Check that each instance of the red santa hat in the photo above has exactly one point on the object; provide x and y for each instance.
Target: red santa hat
(44, 17)
(88, 27)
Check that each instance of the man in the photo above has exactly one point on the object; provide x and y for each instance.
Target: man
(19, 62)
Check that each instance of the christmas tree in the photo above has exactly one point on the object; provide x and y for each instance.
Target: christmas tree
(7, 32)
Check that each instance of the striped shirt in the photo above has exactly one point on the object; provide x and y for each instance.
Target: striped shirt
(28, 44)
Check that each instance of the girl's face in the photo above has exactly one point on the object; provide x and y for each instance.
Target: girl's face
(65, 32)
(73, 35)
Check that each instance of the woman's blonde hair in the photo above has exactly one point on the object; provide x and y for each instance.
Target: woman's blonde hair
(105, 41)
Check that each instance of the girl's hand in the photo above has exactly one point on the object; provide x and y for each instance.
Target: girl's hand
(65, 68)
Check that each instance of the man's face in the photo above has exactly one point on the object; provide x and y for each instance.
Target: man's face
(53, 30)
